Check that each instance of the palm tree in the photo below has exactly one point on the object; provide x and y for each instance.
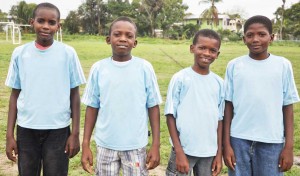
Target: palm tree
(212, 12)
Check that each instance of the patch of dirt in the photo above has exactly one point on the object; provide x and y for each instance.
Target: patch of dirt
(7, 167)
(158, 171)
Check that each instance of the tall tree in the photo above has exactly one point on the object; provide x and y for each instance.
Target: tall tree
(72, 23)
(121, 8)
(292, 20)
(211, 13)
(3, 16)
(172, 12)
(149, 12)
(90, 14)
(22, 12)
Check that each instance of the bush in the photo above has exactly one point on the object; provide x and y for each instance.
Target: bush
(234, 37)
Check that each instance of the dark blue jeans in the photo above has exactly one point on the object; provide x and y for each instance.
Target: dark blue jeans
(255, 158)
(42, 149)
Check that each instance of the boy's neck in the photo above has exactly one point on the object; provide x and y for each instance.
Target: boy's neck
(260, 56)
(201, 71)
(121, 59)
(44, 43)
(41, 47)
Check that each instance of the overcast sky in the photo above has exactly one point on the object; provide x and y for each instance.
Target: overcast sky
(246, 8)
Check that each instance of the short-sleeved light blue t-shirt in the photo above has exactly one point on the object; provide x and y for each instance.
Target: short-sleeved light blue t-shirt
(123, 92)
(258, 91)
(197, 103)
(45, 78)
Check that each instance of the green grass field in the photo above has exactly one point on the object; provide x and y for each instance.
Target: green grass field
(167, 57)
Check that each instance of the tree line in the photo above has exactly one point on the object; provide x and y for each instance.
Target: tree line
(94, 17)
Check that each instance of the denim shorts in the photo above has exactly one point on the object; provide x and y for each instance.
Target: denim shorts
(131, 162)
(42, 149)
(200, 166)
(255, 158)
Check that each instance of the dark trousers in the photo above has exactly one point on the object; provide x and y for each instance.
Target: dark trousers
(42, 149)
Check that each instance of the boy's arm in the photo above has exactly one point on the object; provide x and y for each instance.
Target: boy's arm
(11, 145)
(286, 156)
(153, 156)
(89, 124)
(217, 162)
(182, 164)
(228, 153)
(73, 144)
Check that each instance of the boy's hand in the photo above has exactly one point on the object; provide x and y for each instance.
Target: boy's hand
(286, 159)
(72, 146)
(182, 163)
(217, 164)
(87, 159)
(153, 158)
(11, 149)
(229, 157)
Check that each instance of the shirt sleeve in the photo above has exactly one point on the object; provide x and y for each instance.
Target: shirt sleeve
(13, 75)
(152, 89)
(173, 96)
(228, 82)
(221, 104)
(290, 93)
(76, 72)
(91, 95)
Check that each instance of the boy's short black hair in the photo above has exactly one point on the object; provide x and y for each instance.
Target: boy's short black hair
(122, 18)
(261, 20)
(46, 5)
(207, 33)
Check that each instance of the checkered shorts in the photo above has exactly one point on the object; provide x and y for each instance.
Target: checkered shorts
(131, 162)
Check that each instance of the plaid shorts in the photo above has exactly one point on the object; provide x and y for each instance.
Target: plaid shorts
(131, 162)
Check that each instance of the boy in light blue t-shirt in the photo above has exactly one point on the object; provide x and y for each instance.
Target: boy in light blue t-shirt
(121, 93)
(259, 96)
(194, 111)
(44, 76)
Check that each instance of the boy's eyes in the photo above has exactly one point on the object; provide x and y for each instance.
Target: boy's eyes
(51, 22)
(117, 34)
(259, 34)
(212, 51)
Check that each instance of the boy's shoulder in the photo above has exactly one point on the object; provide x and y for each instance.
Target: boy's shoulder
(183, 73)
(216, 76)
(142, 61)
(279, 58)
(22, 47)
(238, 59)
(63, 46)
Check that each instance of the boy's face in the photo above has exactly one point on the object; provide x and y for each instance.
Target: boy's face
(45, 25)
(122, 40)
(257, 38)
(206, 50)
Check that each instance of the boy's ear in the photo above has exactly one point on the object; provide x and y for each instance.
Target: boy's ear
(107, 39)
(244, 39)
(192, 48)
(135, 43)
(271, 38)
(31, 22)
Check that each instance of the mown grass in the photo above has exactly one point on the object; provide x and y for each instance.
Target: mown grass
(167, 57)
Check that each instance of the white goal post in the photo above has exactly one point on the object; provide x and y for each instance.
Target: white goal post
(15, 32)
